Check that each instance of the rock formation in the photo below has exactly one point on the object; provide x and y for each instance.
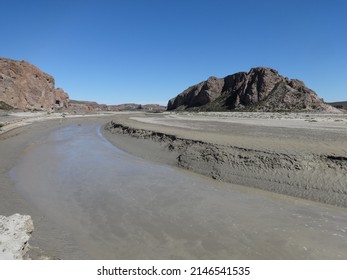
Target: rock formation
(261, 89)
(23, 86)
(136, 107)
(15, 232)
(76, 106)
(342, 105)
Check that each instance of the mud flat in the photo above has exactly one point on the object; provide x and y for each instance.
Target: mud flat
(302, 155)
(90, 200)
(48, 240)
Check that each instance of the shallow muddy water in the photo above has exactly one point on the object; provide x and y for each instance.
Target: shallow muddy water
(118, 206)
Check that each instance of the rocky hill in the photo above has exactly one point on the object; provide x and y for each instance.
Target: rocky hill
(24, 86)
(342, 105)
(91, 106)
(261, 89)
(137, 107)
(77, 106)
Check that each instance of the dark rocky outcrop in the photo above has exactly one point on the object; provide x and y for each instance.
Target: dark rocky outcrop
(5, 106)
(24, 86)
(261, 89)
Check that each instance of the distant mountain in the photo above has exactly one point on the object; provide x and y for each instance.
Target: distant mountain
(339, 105)
(261, 89)
(91, 106)
(24, 86)
(137, 107)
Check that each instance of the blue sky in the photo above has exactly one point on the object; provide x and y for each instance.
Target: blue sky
(148, 51)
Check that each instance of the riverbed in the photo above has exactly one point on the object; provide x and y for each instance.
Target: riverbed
(118, 206)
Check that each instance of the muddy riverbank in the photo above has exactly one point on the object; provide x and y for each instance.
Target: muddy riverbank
(90, 200)
(297, 164)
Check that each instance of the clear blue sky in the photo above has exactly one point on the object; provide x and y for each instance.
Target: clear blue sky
(148, 51)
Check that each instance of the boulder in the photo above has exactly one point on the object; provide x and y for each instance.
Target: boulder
(15, 232)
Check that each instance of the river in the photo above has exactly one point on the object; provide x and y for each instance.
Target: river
(118, 206)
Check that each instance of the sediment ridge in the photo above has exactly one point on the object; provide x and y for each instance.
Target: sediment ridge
(317, 177)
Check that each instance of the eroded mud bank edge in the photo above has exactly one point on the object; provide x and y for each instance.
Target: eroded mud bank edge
(316, 177)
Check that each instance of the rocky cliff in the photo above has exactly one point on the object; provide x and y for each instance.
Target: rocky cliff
(261, 89)
(24, 86)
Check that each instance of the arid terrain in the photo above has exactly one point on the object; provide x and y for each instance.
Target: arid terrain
(164, 212)
(264, 178)
(303, 155)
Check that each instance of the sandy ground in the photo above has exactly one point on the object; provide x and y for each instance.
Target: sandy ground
(268, 131)
(204, 143)
(303, 155)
